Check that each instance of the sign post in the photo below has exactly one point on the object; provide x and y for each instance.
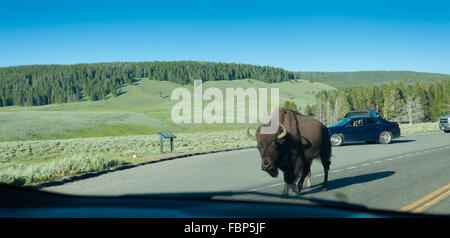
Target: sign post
(165, 135)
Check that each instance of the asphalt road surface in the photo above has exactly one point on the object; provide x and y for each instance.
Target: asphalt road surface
(410, 174)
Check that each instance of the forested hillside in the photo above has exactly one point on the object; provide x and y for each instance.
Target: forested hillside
(346, 80)
(395, 101)
(47, 84)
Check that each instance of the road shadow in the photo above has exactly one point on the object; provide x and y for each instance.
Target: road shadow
(348, 181)
(401, 141)
(394, 141)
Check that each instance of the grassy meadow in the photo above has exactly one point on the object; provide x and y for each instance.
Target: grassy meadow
(20, 174)
(419, 127)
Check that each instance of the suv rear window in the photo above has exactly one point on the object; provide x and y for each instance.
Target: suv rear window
(357, 114)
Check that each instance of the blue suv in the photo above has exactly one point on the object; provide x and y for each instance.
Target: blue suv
(369, 129)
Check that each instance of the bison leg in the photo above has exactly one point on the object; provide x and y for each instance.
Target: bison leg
(285, 190)
(300, 182)
(309, 179)
(294, 188)
(325, 180)
(289, 180)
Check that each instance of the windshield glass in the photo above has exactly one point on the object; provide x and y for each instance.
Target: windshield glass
(341, 122)
(192, 97)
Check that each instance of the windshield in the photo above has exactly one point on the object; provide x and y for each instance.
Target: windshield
(185, 98)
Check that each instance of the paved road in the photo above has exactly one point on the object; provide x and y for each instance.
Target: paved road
(413, 170)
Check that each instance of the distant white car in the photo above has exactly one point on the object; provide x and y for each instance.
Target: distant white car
(444, 123)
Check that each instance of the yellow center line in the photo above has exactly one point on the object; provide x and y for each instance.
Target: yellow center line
(424, 199)
(432, 202)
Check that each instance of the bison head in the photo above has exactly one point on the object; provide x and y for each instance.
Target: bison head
(271, 148)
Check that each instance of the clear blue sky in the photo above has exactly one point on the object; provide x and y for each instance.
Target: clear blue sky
(295, 35)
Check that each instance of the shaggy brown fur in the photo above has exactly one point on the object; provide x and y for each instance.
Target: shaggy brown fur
(303, 140)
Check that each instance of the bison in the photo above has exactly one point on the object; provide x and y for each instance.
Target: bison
(298, 141)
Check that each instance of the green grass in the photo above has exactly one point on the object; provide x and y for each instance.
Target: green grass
(118, 146)
(27, 174)
(419, 127)
(25, 125)
(110, 130)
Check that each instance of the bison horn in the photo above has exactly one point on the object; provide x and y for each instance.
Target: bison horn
(249, 135)
(283, 134)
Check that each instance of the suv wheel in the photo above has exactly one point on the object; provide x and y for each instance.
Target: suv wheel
(385, 137)
(336, 139)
